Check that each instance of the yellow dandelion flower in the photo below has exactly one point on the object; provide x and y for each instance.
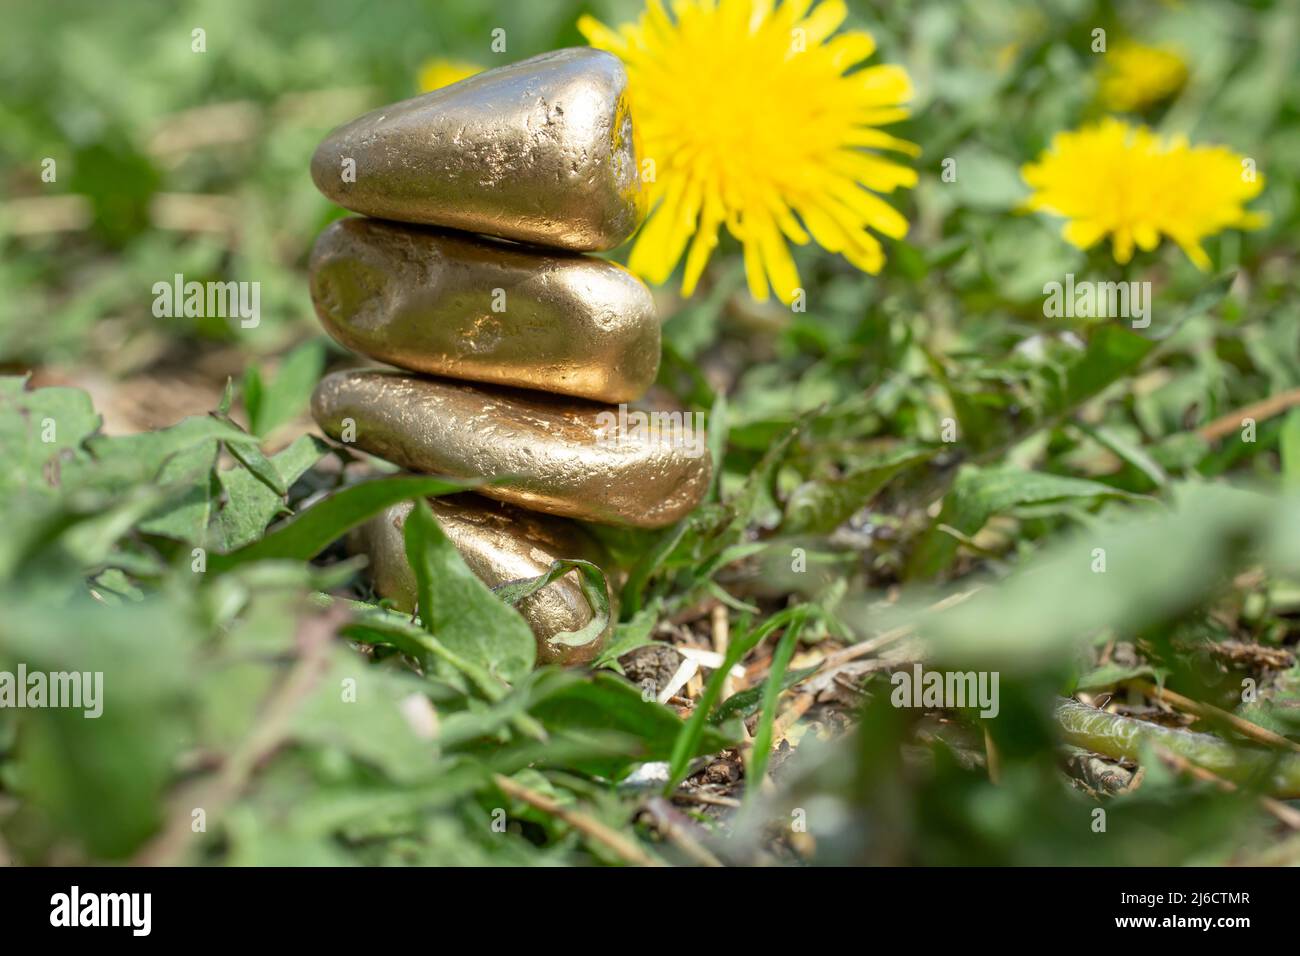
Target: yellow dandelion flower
(437, 73)
(1134, 76)
(755, 118)
(1127, 182)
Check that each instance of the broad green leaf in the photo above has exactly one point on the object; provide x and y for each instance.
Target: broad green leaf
(259, 466)
(628, 636)
(1126, 576)
(981, 493)
(184, 455)
(186, 517)
(1108, 675)
(459, 609)
(1113, 351)
(249, 504)
(310, 532)
(605, 706)
(357, 708)
(123, 461)
(41, 432)
(102, 779)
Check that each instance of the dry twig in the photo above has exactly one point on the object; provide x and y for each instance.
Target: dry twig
(1225, 425)
(1239, 724)
(588, 826)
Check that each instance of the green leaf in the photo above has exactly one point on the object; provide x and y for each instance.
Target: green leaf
(1044, 392)
(718, 428)
(628, 636)
(594, 588)
(375, 625)
(762, 749)
(653, 559)
(259, 466)
(41, 431)
(605, 708)
(1125, 576)
(227, 398)
(1108, 675)
(102, 780)
(310, 532)
(181, 459)
(988, 180)
(818, 507)
(1113, 351)
(1129, 452)
(186, 516)
(285, 398)
(459, 609)
(981, 493)
(746, 702)
(757, 492)
(367, 721)
(250, 504)
(1289, 449)
(689, 740)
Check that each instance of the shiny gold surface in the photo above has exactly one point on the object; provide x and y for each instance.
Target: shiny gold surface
(486, 311)
(557, 450)
(540, 151)
(499, 544)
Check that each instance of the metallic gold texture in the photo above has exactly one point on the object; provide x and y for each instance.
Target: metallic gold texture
(499, 544)
(486, 311)
(557, 452)
(541, 151)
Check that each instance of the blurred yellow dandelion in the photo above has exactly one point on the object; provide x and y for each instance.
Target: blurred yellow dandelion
(1126, 182)
(752, 116)
(437, 73)
(1134, 76)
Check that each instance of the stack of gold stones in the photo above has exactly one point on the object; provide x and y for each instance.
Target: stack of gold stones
(511, 347)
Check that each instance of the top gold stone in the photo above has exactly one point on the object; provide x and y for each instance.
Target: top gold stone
(540, 151)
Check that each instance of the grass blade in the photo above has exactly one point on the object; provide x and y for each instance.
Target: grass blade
(688, 738)
(771, 693)
(310, 532)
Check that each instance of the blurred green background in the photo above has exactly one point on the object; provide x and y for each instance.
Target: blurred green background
(197, 162)
(194, 162)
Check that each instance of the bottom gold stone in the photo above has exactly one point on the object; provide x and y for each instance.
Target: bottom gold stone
(499, 544)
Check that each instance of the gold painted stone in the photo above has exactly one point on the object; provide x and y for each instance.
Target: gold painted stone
(499, 544)
(540, 151)
(486, 311)
(561, 456)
